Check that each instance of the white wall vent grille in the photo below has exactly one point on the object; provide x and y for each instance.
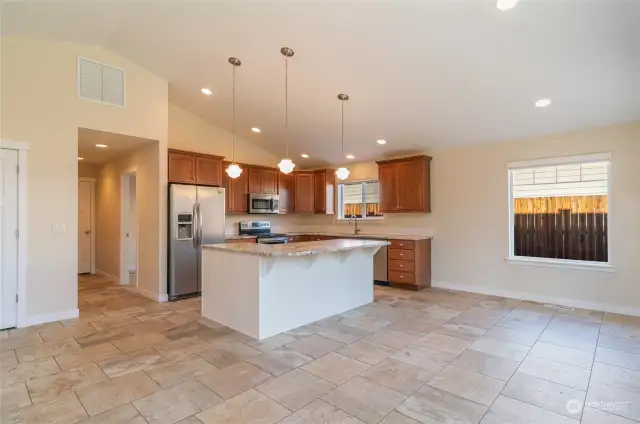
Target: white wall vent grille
(100, 83)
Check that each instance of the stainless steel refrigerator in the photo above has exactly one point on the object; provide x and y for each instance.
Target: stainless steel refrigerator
(196, 217)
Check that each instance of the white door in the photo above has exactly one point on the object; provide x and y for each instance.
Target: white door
(8, 238)
(85, 194)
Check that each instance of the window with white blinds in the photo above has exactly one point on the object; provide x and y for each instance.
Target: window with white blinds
(359, 199)
(560, 211)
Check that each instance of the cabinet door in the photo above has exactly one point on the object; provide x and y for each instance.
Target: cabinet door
(304, 192)
(388, 185)
(181, 168)
(239, 192)
(286, 195)
(255, 180)
(269, 181)
(319, 192)
(208, 170)
(410, 194)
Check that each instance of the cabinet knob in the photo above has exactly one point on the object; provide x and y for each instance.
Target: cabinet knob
(401, 266)
(402, 276)
(402, 254)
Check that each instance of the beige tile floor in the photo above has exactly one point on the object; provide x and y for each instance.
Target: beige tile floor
(431, 357)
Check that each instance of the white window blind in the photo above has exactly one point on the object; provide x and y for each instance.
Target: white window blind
(579, 179)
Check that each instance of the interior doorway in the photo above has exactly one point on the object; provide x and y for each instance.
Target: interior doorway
(129, 226)
(8, 238)
(86, 226)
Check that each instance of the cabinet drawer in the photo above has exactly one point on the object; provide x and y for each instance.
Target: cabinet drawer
(401, 254)
(404, 266)
(401, 277)
(402, 244)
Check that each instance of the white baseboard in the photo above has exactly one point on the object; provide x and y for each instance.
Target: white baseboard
(572, 303)
(106, 274)
(158, 297)
(51, 317)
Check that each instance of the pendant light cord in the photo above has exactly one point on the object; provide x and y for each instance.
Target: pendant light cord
(342, 129)
(233, 108)
(286, 106)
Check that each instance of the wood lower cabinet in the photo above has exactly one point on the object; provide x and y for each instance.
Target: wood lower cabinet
(286, 193)
(263, 180)
(324, 183)
(304, 185)
(194, 168)
(409, 263)
(236, 190)
(405, 185)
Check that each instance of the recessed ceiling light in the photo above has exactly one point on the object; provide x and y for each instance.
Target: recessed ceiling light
(102, 146)
(506, 4)
(381, 141)
(543, 103)
(206, 91)
(80, 158)
(304, 155)
(349, 156)
(255, 129)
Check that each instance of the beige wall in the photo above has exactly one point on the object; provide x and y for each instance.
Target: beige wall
(88, 170)
(40, 106)
(189, 132)
(144, 162)
(470, 220)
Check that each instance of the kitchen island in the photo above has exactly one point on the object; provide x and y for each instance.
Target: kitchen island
(265, 289)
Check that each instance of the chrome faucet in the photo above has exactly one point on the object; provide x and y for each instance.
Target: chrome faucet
(356, 230)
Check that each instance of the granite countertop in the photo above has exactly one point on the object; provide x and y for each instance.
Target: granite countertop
(362, 236)
(296, 249)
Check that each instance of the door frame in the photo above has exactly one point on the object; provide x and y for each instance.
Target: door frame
(23, 153)
(124, 211)
(92, 181)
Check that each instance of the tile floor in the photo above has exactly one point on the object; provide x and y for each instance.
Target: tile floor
(431, 357)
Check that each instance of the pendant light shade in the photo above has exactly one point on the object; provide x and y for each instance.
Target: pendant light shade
(342, 173)
(286, 165)
(234, 171)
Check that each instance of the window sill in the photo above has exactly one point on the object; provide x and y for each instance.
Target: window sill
(560, 263)
(377, 219)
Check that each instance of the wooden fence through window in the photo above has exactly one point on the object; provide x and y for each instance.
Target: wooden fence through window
(570, 227)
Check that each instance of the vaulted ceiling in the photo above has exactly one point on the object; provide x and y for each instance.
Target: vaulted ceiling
(420, 74)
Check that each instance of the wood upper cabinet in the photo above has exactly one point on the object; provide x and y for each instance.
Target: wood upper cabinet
(324, 182)
(236, 190)
(388, 187)
(263, 180)
(195, 168)
(304, 192)
(286, 193)
(405, 185)
(182, 167)
(208, 170)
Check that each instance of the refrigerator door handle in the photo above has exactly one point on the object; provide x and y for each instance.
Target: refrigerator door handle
(194, 220)
(199, 226)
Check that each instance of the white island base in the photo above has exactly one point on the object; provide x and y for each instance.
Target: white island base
(264, 290)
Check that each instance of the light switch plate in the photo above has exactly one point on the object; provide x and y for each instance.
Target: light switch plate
(59, 228)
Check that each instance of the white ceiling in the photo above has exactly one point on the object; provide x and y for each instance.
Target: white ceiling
(421, 74)
(117, 145)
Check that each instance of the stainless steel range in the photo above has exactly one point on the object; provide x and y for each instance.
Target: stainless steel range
(262, 231)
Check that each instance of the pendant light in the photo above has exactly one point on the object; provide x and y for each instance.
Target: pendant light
(342, 173)
(286, 165)
(234, 171)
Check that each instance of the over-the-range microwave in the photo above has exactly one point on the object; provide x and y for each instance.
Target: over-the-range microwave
(263, 203)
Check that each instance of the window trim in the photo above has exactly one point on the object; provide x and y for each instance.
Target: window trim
(552, 262)
(339, 216)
